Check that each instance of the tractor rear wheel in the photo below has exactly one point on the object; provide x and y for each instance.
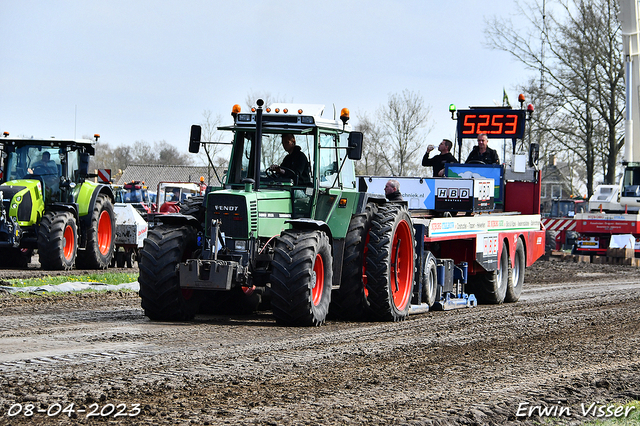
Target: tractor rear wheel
(100, 236)
(58, 241)
(350, 301)
(514, 288)
(491, 287)
(390, 263)
(301, 278)
(162, 297)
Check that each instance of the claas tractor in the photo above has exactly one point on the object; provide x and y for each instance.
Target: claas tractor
(299, 245)
(49, 205)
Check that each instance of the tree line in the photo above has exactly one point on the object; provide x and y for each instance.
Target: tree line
(575, 48)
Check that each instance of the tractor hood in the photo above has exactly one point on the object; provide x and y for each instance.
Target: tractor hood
(19, 197)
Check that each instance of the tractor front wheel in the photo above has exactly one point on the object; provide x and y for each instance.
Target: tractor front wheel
(58, 241)
(301, 278)
(162, 297)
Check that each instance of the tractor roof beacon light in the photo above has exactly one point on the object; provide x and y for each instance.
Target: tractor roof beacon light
(96, 136)
(452, 110)
(5, 134)
(235, 110)
(344, 116)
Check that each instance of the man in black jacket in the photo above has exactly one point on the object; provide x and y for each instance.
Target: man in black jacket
(441, 159)
(392, 191)
(482, 153)
(295, 164)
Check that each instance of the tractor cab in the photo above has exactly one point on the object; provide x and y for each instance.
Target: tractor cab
(49, 165)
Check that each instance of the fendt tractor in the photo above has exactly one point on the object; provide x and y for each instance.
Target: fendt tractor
(48, 205)
(303, 250)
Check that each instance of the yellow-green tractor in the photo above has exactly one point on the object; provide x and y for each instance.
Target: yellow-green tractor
(49, 205)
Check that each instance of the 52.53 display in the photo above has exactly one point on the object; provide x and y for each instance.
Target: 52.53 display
(494, 122)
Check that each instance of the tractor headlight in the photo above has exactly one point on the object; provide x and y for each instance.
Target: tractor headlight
(241, 245)
(14, 205)
(18, 199)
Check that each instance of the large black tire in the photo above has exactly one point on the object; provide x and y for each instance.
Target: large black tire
(429, 280)
(550, 241)
(516, 281)
(350, 300)
(491, 287)
(58, 241)
(193, 206)
(162, 297)
(301, 278)
(390, 263)
(101, 236)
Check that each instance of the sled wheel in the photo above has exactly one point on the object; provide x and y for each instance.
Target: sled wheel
(390, 264)
(301, 278)
(162, 297)
(429, 280)
(491, 287)
(57, 241)
(100, 236)
(350, 301)
(514, 288)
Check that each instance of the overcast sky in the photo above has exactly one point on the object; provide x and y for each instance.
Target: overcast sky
(146, 70)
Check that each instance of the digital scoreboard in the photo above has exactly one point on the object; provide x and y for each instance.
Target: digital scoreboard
(496, 123)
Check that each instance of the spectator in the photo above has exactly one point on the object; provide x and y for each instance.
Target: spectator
(441, 159)
(392, 191)
(481, 153)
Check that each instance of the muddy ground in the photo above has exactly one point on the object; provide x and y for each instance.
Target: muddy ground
(571, 340)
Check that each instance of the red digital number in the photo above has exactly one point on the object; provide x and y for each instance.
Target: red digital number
(483, 127)
(469, 128)
(511, 125)
(497, 124)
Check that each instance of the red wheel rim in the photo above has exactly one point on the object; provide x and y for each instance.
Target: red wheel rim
(403, 249)
(317, 290)
(69, 242)
(104, 232)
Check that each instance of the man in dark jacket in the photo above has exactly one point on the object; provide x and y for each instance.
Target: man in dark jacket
(295, 164)
(482, 153)
(392, 191)
(441, 159)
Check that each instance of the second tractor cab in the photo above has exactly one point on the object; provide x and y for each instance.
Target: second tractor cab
(136, 194)
(49, 205)
(171, 194)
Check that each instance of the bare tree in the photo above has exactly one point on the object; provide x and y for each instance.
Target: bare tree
(404, 121)
(577, 51)
(372, 162)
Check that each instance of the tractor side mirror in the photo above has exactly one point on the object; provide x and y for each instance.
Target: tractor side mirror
(83, 170)
(194, 139)
(354, 151)
(534, 154)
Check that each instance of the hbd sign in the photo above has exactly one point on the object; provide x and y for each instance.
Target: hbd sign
(453, 193)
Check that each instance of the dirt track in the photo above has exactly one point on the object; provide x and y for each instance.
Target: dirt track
(572, 339)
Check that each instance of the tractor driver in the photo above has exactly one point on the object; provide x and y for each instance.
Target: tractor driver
(47, 165)
(295, 163)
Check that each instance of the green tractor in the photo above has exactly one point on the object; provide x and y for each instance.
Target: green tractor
(299, 245)
(48, 205)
